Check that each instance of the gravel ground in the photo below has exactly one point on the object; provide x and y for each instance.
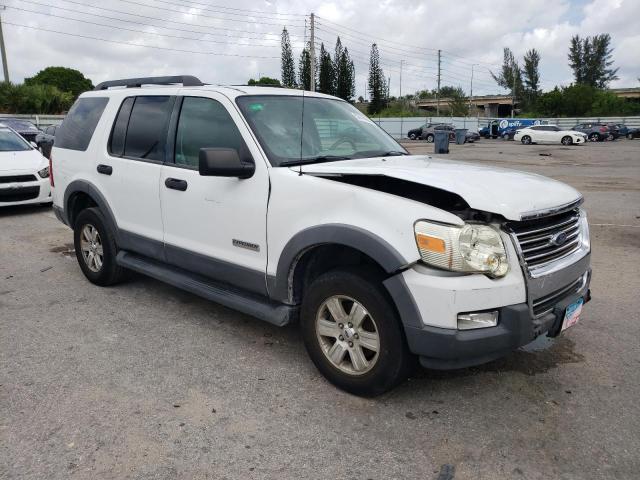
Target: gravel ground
(144, 381)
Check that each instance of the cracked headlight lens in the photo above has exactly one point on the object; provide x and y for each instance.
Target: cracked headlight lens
(471, 248)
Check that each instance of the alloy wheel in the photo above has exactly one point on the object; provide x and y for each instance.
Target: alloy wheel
(91, 247)
(347, 334)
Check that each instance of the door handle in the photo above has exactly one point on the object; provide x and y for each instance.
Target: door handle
(105, 169)
(176, 184)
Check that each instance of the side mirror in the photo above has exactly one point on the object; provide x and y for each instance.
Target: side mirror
(224, 162)
(34, 145)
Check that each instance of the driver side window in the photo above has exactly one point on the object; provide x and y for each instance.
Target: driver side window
(203, 123)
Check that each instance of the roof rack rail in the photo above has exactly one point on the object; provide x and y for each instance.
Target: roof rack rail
(185, 80)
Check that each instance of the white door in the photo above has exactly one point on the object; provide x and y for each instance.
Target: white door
(129, 170)
(215, 226)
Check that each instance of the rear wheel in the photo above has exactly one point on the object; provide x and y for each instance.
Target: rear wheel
(594, 137)
(96, 248)
(429, 138)
(567, 140)
(353, 334)
(412, 136)
(526, 140)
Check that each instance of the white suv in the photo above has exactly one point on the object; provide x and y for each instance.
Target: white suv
(294, 206)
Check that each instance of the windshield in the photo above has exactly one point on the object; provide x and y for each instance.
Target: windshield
(12, 142)
(330, 130)
(20, 125)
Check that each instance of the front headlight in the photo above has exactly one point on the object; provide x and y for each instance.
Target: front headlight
(44, 173)
(471, 248)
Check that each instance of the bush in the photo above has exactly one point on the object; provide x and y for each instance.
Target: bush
(33, 99)
(583, 101)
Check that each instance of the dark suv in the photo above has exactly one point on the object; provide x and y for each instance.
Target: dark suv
(596, 132)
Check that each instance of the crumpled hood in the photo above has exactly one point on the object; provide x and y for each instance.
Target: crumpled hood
(27, 160)
(510, 193)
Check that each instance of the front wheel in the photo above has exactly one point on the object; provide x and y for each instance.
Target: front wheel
(594, 137)
(429, 138)
(412, 136)
(96, 248)
(630, 136)
(526, 140)
(353, 334)
(567, 140)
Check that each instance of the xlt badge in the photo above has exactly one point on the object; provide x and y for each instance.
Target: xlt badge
(249, 246)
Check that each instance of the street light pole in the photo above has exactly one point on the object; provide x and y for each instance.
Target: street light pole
(471, 87)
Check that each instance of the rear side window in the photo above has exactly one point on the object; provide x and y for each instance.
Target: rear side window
(78, 126)
(204, 123)
(119, 132)
(147, 131)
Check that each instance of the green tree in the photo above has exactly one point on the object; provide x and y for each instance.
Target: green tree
(326, 74)
(377, 83)
(63, 78)
(510, 76)
(288, 67)
(458, 102)
(531, 72)
(346, 85)
(304, 69)
(590, 58)
(264, 81)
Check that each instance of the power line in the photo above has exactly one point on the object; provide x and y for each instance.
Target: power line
(147, 17)
(221, 54)
(117, 27)
(132, 2)
(201, 5)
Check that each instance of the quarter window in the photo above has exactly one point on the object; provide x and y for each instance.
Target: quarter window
(78, 126)
(204, 123)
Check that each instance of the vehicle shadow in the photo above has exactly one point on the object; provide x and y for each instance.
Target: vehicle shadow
(14, 210)
(538, 357)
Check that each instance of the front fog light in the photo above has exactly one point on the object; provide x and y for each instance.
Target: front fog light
(44, 173)
(470, 321)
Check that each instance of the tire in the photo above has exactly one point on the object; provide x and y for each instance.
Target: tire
(412, 136)
(566, 140)
(630, 136)
(429, 138)
(526, 140)
(102, 272)
(356, 368)
(594, 137)
(610, 138)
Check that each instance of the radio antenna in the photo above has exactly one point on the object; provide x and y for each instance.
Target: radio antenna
(301, 133)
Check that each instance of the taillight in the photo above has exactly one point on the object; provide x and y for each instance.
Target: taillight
(51, 182)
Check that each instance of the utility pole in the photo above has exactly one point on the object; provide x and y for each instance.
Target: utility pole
(5, 67)
(312, 53)
(438, 91)
(471, 88)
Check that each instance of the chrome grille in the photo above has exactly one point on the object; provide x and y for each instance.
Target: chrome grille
(547, 239)
(544, 305)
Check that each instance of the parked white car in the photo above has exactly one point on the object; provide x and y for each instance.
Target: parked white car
(24, 172)
(549, 134)
(381, 256)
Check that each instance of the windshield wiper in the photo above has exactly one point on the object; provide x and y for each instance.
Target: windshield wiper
(318, 159)
(393, 153)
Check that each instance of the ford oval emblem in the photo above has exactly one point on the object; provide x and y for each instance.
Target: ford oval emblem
(558, 239)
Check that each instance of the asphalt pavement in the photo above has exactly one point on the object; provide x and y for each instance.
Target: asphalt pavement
(144, 381)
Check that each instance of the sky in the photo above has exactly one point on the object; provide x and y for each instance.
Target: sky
(224, 42)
